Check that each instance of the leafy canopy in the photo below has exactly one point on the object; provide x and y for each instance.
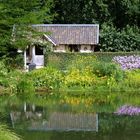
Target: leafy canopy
(21, 14)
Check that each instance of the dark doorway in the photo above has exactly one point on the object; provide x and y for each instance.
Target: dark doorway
(38, 50)
(74, 48)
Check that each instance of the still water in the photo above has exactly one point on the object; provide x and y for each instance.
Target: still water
(110, 127)
(72, 118)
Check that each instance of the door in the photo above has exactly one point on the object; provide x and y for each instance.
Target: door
(38, 58)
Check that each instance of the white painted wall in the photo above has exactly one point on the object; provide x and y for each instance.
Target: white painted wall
(25, 59)
(37, 59)
(88, 50)
(60, 48)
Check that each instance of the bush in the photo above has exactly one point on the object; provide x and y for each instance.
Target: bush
(79, 78)
(102, 69)
(15, 61)
(113, 40)
(133, 79)
(46, 77)
(3, 69)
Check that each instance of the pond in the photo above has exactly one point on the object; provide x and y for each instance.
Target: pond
(69, 116)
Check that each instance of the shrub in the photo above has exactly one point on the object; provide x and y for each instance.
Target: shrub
(79, 78)
(113, 40)
(3, 69)
(102, 69)
(46, 77)
(133, 79)
(14, 61)
(25, 89)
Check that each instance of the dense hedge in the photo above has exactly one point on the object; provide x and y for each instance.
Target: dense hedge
(13, 61)
(61, 60)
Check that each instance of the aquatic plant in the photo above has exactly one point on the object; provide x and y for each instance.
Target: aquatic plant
(128, 62)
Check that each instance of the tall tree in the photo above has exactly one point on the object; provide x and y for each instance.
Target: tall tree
(81, 11)
(118, 12)
(124, 12)
(21, 13)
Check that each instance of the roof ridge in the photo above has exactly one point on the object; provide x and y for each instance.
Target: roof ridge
(65, 25)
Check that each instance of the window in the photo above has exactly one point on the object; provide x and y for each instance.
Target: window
(38, 50)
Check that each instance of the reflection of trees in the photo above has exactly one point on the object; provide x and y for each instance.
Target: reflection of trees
(73, 135)
(112, 123)
(25, 91)
(111, 126)
(7, 134)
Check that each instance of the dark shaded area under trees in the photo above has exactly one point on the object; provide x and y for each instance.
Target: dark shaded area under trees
(118, 20)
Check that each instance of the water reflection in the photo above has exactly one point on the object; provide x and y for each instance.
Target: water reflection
(75, 125)
(111, 126)
(62, 121)
(65, 121)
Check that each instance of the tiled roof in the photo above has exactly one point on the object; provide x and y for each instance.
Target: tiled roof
(71, 33)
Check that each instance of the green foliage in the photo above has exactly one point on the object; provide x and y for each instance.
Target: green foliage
(113, 40)
(9, 77)
(92, 71)
(13, 62)
(133, 79)
(3, 74)
(79, 72)
(104, 69)
(63, 61)
(120, 13)
(7, 134)
(79, 78)
(109, 122)
(47, 77)
(3, 69)
(59, 60)
(17, 16)
(89, 72)
(25, 89)
(82, 73)
(81, 61)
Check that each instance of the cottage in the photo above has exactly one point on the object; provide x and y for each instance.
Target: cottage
(64, 38)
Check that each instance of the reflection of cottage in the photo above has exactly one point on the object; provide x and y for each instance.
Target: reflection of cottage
(64, 38)
(56, 120)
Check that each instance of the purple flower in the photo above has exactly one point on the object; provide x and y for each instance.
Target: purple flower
(128, 62)
(128, 110)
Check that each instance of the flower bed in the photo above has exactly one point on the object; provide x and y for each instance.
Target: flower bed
(128, 110)
(128, 62)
